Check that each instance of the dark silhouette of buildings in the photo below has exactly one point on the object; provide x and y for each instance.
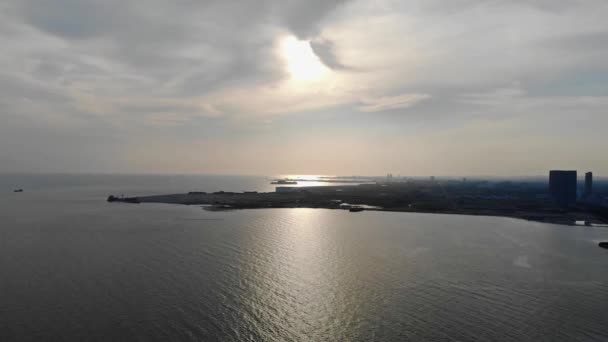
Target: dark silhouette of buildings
(588, 184)
(562, 186)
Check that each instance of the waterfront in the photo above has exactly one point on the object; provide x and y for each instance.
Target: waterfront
(525, 200)
(77, 268)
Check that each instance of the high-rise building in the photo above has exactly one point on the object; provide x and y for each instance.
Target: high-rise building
(588, 184)
(562, 187)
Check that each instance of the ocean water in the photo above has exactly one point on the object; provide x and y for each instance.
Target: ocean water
(76, 268)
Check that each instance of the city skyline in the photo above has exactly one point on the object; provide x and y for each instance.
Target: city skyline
(467, 88)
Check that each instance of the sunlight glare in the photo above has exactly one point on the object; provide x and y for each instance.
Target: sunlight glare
(302, 63)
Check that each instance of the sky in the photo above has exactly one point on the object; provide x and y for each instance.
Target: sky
(349, 87)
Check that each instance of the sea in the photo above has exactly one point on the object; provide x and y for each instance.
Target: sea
(74, 267)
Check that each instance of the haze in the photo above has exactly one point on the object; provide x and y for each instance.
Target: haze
(465, 87)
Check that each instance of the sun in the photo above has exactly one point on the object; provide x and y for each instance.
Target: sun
(302, 63)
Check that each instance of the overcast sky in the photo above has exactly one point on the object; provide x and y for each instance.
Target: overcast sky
(412, 87)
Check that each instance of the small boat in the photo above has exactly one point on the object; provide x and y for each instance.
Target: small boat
(18, 190)
(603, 245)
(284, 181)
(355, 209)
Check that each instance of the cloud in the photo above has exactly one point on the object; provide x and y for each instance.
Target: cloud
(499, 96)
(585, 41)
(539, 5)
(72, 19)
(325, 50)
(170, 50)
(303, 17)
(383, 103)
(152, 72)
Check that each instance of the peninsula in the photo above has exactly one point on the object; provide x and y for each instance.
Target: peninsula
(506, 199)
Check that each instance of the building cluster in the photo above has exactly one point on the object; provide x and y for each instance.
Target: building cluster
(563, 187)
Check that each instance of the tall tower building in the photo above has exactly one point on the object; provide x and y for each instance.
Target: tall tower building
(588, 184)
(562, 187)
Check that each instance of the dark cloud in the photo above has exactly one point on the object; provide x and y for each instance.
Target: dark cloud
(325, 50)
(73, 19)
(303, 17)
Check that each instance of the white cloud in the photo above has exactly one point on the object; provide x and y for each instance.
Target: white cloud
(379, 104)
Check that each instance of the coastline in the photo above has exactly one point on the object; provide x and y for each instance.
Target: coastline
(339, 199)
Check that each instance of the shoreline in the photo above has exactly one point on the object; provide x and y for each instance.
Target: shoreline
(360, 198)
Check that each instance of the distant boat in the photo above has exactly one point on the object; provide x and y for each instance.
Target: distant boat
(284, 181)
(18, 190)
(355, 209)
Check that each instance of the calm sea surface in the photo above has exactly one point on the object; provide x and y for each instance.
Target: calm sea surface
(75, 268)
